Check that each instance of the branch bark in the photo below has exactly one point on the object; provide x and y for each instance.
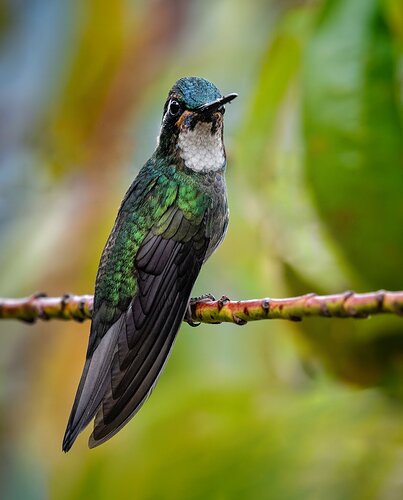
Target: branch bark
(207, 310)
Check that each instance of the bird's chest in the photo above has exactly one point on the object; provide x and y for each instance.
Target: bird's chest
(202, 199)
(202, 148)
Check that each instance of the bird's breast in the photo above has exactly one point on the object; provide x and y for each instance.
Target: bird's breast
(202, 148)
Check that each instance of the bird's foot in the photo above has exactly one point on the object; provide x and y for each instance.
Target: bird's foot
(207, 297)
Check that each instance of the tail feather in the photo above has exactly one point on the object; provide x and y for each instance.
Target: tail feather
(93, 385)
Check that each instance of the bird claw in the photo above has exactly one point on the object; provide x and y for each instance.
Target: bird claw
(207, 297)
(188, 316)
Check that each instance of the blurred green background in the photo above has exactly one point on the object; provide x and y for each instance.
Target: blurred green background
(273, 410)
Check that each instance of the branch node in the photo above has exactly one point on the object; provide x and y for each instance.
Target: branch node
(238, 321)
(221, 302)
(347, 294)
(359, 315)
(380, 298)
(81, 307)
(42, 315)
(324, 310)
(30, 320)
(398, 308)
(65, 300)
(294, 317)
(266, 306)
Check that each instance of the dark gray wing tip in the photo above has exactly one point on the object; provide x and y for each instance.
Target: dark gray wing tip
(68, 440)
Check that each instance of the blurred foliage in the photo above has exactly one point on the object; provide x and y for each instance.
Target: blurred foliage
(315, 181)
(354, 149)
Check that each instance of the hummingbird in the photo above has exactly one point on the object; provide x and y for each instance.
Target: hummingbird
(172, 218)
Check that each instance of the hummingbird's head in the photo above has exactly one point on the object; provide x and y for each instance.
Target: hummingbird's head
(192, 124)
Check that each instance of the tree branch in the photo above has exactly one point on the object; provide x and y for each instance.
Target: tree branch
(207, 310)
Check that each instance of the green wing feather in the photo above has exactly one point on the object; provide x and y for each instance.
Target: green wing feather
(149, 265)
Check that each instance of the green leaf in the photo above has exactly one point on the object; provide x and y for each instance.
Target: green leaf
(354, 137)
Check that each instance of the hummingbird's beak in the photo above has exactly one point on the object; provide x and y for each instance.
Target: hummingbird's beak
(210, 107)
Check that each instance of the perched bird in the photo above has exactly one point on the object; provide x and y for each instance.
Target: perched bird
(172, 218)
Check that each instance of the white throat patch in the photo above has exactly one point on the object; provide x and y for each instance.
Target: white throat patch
(200, 149)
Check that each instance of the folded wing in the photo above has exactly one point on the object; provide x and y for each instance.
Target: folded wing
(129, 357)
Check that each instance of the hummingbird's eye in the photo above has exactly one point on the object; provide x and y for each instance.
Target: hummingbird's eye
(174, 108)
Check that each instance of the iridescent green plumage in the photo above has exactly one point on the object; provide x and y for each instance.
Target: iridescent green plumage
(158, 190)
(170, 221)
